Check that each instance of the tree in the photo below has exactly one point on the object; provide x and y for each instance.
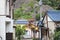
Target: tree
(58, 8)
(57, 34)
(20, 31)
(52, 3)
(25, 11)
(38, 17)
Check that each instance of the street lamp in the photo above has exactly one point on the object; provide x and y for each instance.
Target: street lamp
(40, 23)
(40, 2)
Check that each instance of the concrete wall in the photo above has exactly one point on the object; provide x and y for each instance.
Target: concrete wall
(6, 24)
(7, 7)
(2, 7)
(2, 27)
(2, 19)
(28, 33)
(9, 27)
(51, 26)
(14, 37)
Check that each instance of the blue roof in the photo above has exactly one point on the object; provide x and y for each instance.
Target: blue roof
(21, 22)
(54, 15)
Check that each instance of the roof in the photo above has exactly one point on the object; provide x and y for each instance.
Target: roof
(21, 22)
(54, 15)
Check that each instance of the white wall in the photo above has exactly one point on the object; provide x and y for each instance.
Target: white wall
(2, 7)
(7, 7)
(12, 11)
(5, 28)
(49, 19)
(14, 37)
(9, 27)
(2, 27)
(28, 33)
(51, 26)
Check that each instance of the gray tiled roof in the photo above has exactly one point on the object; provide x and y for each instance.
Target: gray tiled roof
(54, 15)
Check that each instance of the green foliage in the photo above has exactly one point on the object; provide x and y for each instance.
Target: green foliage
(35, 39)
(25, 11)
(57, 34)
(31, 4)
(20, 31)
(52, 3)
(18, 12)
(38, 17)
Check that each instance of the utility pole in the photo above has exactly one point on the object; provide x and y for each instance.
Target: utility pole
(40, 31)
(35, 6)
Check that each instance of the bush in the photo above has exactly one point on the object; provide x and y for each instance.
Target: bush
(19, 31)
(57, 34)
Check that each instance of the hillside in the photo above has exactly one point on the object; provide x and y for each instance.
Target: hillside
(27, 9)
(20, 2)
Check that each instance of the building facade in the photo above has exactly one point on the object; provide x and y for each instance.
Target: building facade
(6, 21)
(28, 29)
(52, 22)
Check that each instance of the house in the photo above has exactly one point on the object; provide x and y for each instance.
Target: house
(51, 23)
(6, 21)
(29, 33)
(22, 23)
